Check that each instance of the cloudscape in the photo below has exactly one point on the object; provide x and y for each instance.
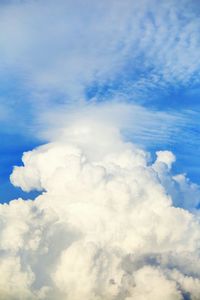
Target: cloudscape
(99, 114)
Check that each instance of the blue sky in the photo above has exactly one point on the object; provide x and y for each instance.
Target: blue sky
(55, 55)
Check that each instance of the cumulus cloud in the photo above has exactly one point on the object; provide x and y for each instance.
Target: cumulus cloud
(106, 225)
(110, 223)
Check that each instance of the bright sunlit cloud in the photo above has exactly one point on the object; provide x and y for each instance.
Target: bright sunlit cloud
(100, 93)
(105, 226)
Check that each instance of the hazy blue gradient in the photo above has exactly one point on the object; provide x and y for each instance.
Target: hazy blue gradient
(147, 54)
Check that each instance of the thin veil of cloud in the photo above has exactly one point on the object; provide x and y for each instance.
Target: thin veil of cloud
(58, 52)
(69, 45)
(142, 126)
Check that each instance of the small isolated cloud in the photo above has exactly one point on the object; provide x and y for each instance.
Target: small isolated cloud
(106, 225)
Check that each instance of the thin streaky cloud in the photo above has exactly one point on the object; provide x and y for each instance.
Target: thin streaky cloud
(155, 38)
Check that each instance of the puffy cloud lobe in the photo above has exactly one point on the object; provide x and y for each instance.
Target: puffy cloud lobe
(104, 226)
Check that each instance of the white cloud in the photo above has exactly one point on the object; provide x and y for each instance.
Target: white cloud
(69, 45)
(141, 125)
(104, 226)
(59, 50)
(109, 224)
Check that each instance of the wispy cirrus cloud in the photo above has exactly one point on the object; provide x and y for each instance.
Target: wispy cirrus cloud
(111, 221)
(54, 55)
(60, 45)
(141, 125)
(68, 51)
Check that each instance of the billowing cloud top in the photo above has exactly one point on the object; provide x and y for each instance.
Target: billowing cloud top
(110, 223)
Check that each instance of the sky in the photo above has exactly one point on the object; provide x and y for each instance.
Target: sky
(57, 55)
(99, 156)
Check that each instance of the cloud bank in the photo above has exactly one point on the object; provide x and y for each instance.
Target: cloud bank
(107, 224)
